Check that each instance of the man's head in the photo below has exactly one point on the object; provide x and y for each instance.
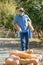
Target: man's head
(21, 11)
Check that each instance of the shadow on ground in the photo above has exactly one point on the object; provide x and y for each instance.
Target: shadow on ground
(14, 45)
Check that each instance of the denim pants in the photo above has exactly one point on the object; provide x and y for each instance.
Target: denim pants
(24, 36)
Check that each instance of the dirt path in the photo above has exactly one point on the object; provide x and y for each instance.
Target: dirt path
(4, 53)
(6, 48)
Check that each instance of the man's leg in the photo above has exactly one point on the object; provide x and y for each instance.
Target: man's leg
(26, 38)
(22, 41)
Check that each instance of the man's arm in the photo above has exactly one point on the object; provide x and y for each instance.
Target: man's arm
(30, 26)
(17, 27)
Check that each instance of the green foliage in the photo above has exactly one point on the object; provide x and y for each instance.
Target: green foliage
(34, 8)
(9, 22)
(7, 12)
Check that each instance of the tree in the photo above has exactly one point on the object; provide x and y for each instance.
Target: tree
(8, 12)
(34, 8)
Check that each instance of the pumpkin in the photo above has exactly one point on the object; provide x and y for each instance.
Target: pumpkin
(29, 61)
(11, 61)
(23, 55)
(39, 56)
(29, 51)
(15, 57)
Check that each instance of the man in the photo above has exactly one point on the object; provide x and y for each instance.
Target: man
(22, 23)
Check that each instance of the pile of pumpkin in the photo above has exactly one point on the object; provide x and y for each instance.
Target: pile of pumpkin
(23, 57)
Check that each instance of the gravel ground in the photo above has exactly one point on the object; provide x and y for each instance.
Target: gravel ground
(4, 52)
(6, 48)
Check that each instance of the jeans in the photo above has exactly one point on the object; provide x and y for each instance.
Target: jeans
(24, 37)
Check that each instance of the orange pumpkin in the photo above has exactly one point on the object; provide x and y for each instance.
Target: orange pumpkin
(23, 55)
(15, 57)
(11, 61)
(29, 61)
(29, 51)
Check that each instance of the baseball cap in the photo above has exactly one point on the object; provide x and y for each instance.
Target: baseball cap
(21, 9)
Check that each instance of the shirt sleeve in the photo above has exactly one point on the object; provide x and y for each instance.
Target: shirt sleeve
(15, 20)
(28, 19)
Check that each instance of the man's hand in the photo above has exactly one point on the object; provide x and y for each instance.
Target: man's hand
(20, 30)
(17, 27)
(34, 32)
